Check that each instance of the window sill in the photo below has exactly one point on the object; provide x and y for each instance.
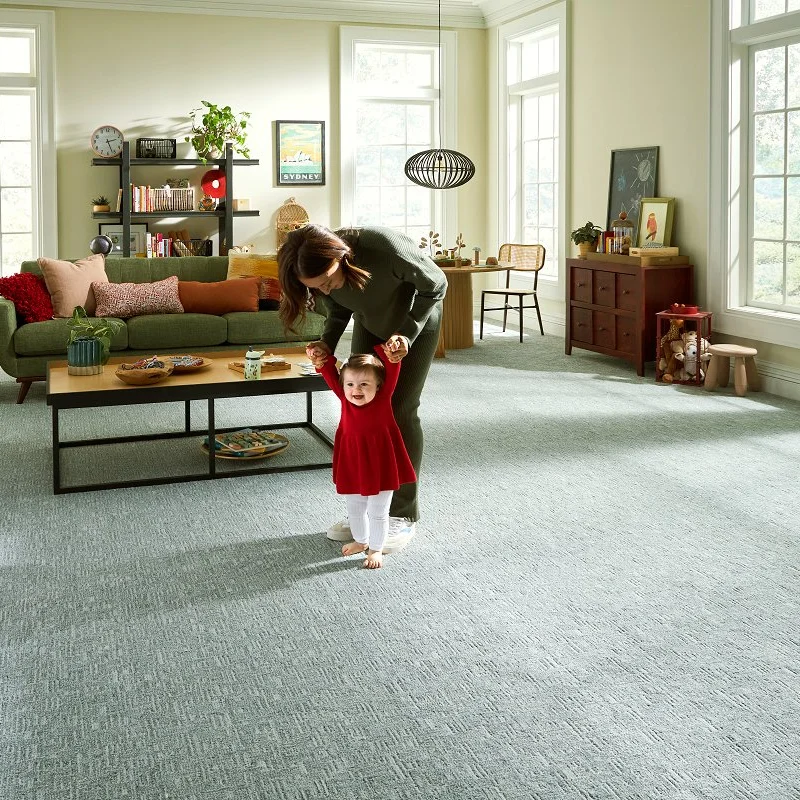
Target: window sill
(760, 324)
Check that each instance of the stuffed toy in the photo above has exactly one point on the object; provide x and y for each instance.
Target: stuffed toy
(671, 366)
(667, 363)
(694, 358)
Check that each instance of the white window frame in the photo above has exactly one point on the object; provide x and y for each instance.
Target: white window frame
(445, 203)
(551, 287)
(729, 218)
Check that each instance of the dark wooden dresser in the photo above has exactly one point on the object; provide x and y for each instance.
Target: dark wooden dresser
(612, 305)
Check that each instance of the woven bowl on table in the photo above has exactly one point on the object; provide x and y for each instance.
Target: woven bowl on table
(136, 376)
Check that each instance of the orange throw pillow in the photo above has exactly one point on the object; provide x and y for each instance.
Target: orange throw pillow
(221, 297)
(70, 284)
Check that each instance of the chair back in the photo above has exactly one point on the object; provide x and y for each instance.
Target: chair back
(524, 257)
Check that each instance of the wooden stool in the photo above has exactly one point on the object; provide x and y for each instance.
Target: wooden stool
(745, 374)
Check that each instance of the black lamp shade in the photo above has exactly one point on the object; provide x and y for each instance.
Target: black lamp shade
(439, 169)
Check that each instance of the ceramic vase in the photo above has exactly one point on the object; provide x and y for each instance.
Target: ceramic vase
(84, 357)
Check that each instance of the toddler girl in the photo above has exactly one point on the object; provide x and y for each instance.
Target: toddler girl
(369, 458)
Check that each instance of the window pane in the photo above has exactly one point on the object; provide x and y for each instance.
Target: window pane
(794, 74)
(530, 117)
(546, 165)
(770, 75)
(419, 124)
(368, 166)
(393, 161)
(15, 116)
(367, 205)
(546, 118)
(548, 56)
(15, 54)
(16, 248)
(419, 69)
(393, 203)
(793, 274)
(793, 209)
(17, 206)
(546, 210)
(768, 8)
(793, 143)
(768, 208)
(530, 163)
(768, 272)
(769, 144)
(15, 164)
(420, 213)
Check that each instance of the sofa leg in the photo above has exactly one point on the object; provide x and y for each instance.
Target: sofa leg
(24, 385)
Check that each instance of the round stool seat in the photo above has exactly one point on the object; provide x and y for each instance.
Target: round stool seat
(732, 350)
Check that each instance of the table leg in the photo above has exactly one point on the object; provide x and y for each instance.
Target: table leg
(56, 455)
(212, 448)
(457, 312)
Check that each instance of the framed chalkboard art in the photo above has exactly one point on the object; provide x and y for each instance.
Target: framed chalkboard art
(633, 175)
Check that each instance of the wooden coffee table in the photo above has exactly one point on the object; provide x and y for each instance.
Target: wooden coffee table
(213, 382)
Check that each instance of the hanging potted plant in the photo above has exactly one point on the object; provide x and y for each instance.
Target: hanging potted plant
(89, 345)
(586, 237)
(213, 126)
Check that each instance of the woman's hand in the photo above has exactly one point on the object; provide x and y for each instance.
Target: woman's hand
(318, 352)
(396, 347)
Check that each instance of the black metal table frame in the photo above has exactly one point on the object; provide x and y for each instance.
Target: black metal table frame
(142, 395)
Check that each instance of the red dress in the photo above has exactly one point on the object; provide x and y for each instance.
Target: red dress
(369, 455)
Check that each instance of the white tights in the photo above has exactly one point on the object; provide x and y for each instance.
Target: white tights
(368, 516)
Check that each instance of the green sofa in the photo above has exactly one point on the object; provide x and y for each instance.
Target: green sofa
(26, 349)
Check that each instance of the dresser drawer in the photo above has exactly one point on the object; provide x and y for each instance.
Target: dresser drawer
(627, 292)
(626, 334)
(604, 329)
(581, 288)
(603, 291)
(581, 325)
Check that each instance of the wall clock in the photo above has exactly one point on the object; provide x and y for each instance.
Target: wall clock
(107, 141)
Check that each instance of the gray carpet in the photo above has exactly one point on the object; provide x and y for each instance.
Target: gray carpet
(602, 602)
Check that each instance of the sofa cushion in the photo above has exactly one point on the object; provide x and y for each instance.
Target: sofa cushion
(174, 332)
(29, 295)
(70, 282)
(47, 338)
(135, 299)
(265, 327)
(220, 297)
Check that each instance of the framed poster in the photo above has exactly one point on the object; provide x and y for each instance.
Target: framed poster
(633, 175)
(655, 221)
(114, 232)
(300, 153)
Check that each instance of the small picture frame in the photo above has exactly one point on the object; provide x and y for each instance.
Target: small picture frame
(300, 153)
(655, 221)
(138, 242)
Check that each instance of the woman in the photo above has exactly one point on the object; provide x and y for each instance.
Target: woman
(393, 292)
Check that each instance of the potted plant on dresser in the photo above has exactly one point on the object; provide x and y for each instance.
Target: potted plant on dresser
(586, 237)
(89, 345)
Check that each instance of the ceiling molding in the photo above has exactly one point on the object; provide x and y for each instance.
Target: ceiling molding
(455, 13)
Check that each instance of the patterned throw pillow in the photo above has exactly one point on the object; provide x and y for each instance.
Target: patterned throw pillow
(135, 299)
(28, 293)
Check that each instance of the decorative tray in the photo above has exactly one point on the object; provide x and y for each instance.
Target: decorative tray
(187, 363)
(144, 372)
(246, 444)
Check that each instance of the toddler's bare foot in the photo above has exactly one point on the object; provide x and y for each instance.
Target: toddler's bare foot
(374, 559)
(353, 547)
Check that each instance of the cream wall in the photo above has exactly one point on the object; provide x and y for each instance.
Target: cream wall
(152, 72)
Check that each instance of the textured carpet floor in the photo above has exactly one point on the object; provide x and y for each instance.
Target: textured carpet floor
(603, 602)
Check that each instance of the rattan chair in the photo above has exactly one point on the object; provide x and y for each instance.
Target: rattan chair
(525, 258)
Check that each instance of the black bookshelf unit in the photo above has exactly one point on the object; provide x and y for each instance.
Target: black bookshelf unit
(125, 163)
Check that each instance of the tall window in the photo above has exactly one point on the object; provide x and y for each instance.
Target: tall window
(27, 160)
(390, 98)
(754, 268)
(533, 100)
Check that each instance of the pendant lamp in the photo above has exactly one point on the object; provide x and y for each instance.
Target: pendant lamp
(440, 168)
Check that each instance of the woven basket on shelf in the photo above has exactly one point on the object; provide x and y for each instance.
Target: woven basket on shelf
(290, 217)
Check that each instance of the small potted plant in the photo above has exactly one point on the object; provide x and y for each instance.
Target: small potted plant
(89, 345)
(213, 126)
(586, 237)
(100, 204)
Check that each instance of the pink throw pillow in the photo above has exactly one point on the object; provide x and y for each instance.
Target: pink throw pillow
(70, 283)
(135, 299)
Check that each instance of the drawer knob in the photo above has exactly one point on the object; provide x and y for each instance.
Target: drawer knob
(625, 291)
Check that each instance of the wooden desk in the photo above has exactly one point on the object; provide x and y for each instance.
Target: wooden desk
(457, 312)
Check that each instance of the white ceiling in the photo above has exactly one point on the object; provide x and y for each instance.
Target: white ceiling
(455, 13)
